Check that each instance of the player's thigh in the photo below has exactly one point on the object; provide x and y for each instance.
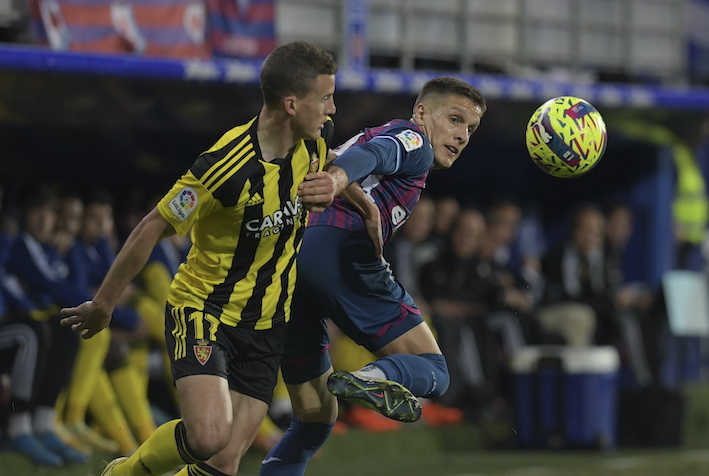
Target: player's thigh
(415, 341)
(312, 401)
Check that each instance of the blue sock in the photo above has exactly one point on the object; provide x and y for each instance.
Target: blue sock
(425, 375)
(293, 452)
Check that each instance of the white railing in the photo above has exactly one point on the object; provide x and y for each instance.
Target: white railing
(570, 37)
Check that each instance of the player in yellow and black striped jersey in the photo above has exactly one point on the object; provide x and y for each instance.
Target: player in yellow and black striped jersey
(245, 276)
(243, 203)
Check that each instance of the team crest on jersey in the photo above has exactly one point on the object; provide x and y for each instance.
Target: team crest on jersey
(202, 351)
(314, 163)
(410, 140)
(183, 203)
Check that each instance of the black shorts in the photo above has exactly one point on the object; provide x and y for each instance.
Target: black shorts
(199, 344)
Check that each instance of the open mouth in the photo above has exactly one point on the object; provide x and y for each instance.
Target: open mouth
(454, 150)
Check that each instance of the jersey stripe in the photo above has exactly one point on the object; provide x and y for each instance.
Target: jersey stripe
(179, 333)
(238, 156)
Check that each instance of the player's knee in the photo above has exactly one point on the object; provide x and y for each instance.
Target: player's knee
(206, 440)
(440, 373)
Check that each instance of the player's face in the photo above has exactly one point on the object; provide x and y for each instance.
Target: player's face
(589, 231)
(467, 234)
(448, 121)
(39, 222)
(312, 110)
(71, 212)
(98, 222)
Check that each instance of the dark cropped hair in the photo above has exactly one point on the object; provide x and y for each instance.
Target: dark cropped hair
(36, 196)
(448, 85)
(292, 69)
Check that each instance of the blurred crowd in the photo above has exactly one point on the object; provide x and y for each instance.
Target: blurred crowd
(491, 282)
(486, 279)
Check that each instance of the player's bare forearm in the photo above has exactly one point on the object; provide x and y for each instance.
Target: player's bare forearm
(369, 212)
(133, 257)
(91, 317)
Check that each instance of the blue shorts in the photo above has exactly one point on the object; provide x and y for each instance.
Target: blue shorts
(339, 278)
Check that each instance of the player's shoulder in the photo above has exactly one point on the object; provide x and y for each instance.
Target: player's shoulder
(405, 132)
(235, 136)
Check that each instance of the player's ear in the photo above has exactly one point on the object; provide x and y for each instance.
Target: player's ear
(290, 104)
(420, 111)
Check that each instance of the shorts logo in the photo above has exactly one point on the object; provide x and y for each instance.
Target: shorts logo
(202, 351)
(410, 140)
(183, 203)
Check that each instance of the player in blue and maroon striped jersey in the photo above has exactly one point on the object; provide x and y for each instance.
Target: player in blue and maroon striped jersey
(342, 275)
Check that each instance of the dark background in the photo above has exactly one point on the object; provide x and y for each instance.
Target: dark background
(135, 137)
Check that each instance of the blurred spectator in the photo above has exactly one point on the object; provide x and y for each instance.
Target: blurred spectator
(528, 247)
(126, 362)
(503, 217)
(641, 311)
(447, 209)
(512, 303)
(619, 228)
(88, 372)
(578, 303)
(413, 246)
(460, 302)
(42, 277)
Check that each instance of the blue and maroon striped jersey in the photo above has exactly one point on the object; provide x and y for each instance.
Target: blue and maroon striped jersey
(404, 157)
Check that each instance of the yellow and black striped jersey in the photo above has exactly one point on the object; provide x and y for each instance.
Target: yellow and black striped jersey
(246, 223)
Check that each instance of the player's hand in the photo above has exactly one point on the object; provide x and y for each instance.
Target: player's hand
(317, 191)
(87, 319)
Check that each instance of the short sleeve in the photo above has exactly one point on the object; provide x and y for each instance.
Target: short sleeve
(186, 202)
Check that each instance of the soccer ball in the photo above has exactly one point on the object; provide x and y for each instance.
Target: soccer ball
(566, 137)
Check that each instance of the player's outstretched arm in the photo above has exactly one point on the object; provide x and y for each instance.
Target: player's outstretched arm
(93, 316)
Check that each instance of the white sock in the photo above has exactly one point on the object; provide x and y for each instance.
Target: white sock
(370, 372)
(19, 424)
(43, 420)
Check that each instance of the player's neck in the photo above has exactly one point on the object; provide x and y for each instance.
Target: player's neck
(275, 135)
(421, 125)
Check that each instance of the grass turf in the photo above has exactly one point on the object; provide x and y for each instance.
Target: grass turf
(460, 451)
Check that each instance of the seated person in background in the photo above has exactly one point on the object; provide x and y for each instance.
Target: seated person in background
(126, 365)
(619, 229)
(414, 246)
(447, 210)
(578, 304)
(643, 318)
(460, 301)
(527, 249)
(515, 304)
(42, 276)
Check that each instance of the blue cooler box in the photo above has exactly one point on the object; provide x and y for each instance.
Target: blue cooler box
(565, 396)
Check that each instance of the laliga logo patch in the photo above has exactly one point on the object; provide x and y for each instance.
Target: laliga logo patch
(202, 351)
(410, 140)
(183, 204)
